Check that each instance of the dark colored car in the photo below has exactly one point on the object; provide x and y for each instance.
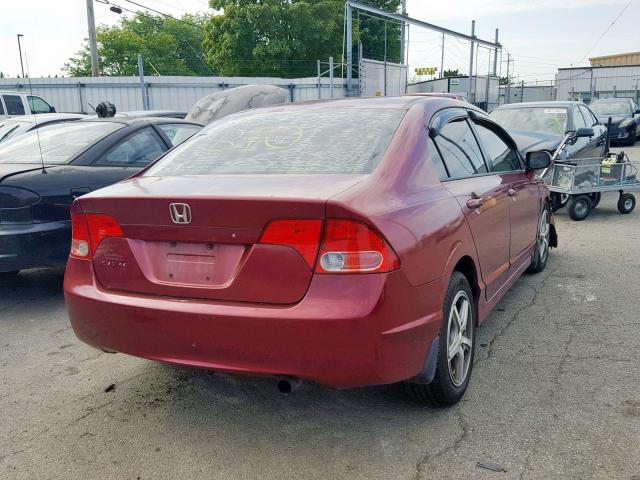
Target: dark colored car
(351, 242)
(542, 126)
(43, 171)
(15, 126)
(625, 118)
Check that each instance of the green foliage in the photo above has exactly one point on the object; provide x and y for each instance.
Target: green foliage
(451, 73)
(286, 37)
(168, 47)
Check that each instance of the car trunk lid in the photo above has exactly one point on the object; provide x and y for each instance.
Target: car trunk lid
(206, 244)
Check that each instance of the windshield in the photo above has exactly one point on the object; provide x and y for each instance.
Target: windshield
(610, 108)
(346, 140)
(552, 121)
(59, 143)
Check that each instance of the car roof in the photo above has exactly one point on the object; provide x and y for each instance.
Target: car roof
(551, 104)
(134, 120)
(45, 117)
(613, 99)
(151, 113)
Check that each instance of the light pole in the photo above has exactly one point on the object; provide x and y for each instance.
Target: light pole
(20, 51)
(93, 44)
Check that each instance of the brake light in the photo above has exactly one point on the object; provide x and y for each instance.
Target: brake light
(302, 235)
(89, 230)
(352, 247)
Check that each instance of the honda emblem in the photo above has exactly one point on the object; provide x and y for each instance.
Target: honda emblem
(180, 213)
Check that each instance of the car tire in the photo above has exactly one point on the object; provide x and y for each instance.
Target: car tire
(626, 203)
(543, 241)
(579, 207)
(452, 373)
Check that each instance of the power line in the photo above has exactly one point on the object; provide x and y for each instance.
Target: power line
(607, 30)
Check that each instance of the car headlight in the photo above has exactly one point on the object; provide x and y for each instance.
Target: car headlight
(626, 123)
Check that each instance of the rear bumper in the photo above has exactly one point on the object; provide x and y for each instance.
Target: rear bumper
(348, 330)
(34, 245)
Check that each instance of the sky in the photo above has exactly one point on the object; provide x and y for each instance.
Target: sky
(540, 35)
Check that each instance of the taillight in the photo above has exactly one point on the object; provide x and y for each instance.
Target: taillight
(352, 247)
(89, 230)
(302, 235)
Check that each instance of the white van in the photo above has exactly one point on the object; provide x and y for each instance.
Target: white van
(14, 103)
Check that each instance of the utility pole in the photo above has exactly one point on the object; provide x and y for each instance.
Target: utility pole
(20, 51)
(495, 56)
(507, 91)
(442, 57)
(473, 34)
(93, 43)
(349, 49)
(403, 34)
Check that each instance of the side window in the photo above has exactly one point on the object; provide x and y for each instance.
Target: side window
(178, 132)
(1, 108)
(437, 161)
(14, 104)
(138, 150)
(578, 119)
(38, 105)
(460, 150)
(588, 119)
(502, 158)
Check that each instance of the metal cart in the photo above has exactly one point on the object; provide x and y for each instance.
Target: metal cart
(579, 184)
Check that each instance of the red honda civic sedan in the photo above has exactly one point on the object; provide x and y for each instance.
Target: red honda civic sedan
(350, 242)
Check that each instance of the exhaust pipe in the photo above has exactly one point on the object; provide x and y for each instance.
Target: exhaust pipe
(288, 385)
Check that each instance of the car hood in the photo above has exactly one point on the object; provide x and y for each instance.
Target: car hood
(10, 169)
(615, 119)
(529, 141)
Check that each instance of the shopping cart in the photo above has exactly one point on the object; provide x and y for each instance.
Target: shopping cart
(580, 183)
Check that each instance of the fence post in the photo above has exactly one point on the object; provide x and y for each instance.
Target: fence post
(522, 91)
(471, 90)
(80, 97)
(331, 77)
(319, 86)
(291, 89)
(145, 105)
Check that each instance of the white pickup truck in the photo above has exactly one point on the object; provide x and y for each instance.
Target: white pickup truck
(14, 103)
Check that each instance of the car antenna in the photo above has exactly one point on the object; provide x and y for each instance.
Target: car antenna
(35, 117)
(92, 107)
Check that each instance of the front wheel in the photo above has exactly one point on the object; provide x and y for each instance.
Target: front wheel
(541, 253)
(626, 203)
(457, 347)
(579, 207)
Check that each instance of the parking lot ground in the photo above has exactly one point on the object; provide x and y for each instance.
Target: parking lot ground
(555, 392)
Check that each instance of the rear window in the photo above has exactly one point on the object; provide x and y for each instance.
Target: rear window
(604, 107)
(58, 144)
(346, 140)
(550, 120)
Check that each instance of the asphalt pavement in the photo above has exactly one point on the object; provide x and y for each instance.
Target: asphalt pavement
(555, 392)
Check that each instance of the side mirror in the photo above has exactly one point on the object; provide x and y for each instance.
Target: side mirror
(538, 160)
(52, 110)
(584, 132)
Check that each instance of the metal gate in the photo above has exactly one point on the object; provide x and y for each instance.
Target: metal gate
(382, 78)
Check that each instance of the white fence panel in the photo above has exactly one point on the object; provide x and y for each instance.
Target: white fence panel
(382, 78)
(74, 94)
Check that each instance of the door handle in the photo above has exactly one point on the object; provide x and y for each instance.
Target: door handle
(475, 202)
(513, 192)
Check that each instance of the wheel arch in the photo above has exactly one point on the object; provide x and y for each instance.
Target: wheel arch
(467, 267)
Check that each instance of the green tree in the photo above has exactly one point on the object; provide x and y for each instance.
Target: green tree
(168, 47)
(451, 73)
(286, 37)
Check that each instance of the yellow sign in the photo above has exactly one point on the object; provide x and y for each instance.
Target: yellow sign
(426, 70)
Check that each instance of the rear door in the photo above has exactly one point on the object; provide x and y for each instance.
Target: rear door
(523, 189)
(482, 195)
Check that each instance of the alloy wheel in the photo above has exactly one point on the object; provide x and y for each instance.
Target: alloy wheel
(543, 236)
(459, 341)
